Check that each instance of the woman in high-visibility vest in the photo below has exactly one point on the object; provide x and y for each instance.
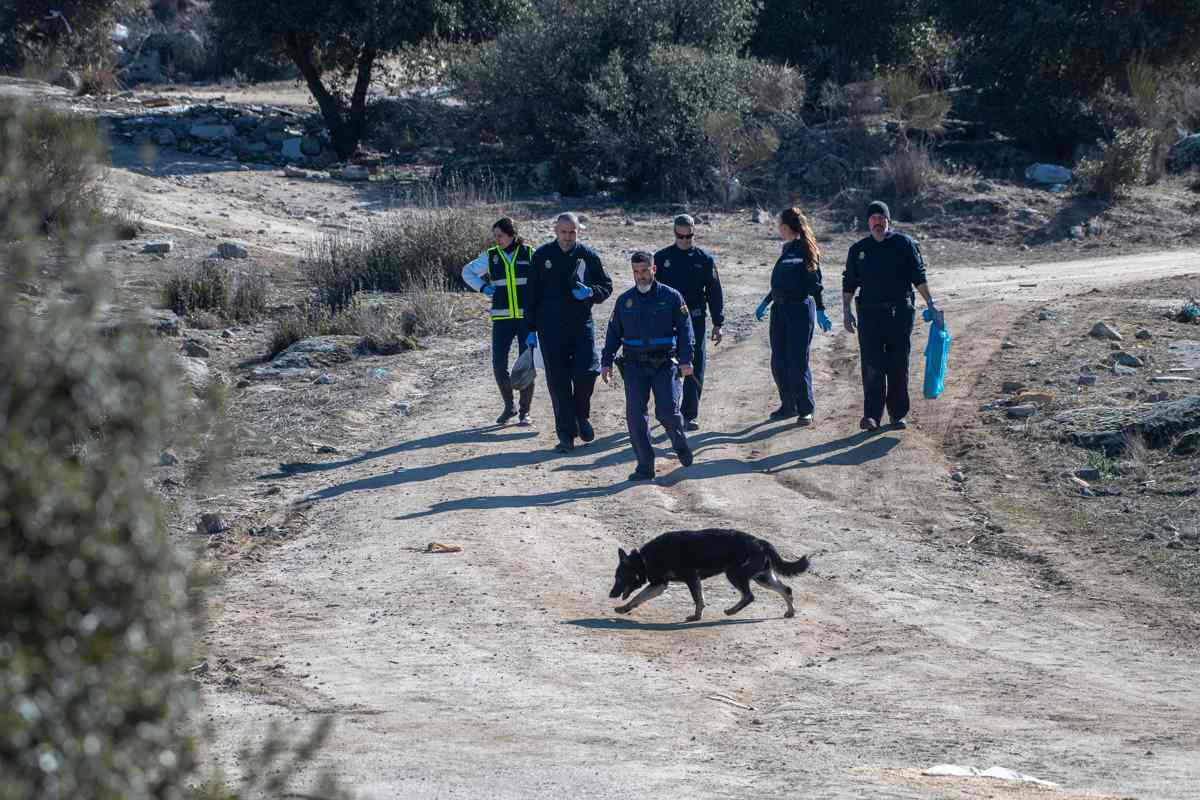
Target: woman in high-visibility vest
(502, 273)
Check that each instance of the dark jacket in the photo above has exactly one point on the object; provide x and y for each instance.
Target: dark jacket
(790, 279)
(884, 272)
(692, 273)
(654, 323)
(551, 279)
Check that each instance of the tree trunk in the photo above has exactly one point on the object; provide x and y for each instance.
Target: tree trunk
(356, 125)
(345, 129)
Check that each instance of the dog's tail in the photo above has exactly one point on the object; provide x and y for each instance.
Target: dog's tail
(785, 567)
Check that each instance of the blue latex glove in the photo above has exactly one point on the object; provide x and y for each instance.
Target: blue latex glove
(531, 339)
(824, 322)
(488, 289)
(581, 291)
(761, 311)
(935, 315)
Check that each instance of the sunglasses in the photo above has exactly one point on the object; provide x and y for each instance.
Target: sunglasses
(685, 236)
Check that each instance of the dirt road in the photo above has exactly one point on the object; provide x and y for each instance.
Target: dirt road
(502, 672)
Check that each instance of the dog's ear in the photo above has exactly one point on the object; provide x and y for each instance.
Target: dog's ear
(622, 555)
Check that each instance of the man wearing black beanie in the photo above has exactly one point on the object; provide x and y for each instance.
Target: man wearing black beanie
(882, 270)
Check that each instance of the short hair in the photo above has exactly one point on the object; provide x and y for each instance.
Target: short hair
(685, 220)
(567, 216)
(641, 257)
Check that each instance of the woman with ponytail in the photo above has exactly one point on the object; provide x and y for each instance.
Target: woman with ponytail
(796, 308)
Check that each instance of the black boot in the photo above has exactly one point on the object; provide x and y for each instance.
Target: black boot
(510, 410)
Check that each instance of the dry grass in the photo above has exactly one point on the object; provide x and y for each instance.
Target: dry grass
(429, 310)
(777, 89)
(1122, 164)
(908, 173)
(213, 287)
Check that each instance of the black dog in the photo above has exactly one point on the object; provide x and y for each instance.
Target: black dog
(692, 556)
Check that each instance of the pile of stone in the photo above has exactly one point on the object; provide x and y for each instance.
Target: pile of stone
(258, 134)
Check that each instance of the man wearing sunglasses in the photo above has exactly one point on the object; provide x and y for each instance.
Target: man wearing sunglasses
(692, 272)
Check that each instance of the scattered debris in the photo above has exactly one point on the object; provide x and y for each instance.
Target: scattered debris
(158, 248)
(998, 773)
(438, 547)
(232, 250)
(210, 524)
(1102, 330)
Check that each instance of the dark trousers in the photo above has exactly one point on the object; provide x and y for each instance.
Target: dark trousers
(792, 326)
(642, 380)
(693, 387)
(503, 333)
(572, 365)
(885, 341)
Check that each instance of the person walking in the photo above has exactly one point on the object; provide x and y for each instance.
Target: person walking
(881, 271)
(692, 272)
(796, 307)
(651, 325)
(566, 280)
(502, 273)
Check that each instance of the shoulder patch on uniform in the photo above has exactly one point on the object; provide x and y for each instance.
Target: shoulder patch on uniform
(862, 254)
(667, 264)
(629, 302)
(548, 264)
(683, 309)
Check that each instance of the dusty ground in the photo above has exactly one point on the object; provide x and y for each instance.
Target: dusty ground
(980, 627)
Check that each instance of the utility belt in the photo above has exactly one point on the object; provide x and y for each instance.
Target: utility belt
(652, 360)
(889, 308)
(781, 297)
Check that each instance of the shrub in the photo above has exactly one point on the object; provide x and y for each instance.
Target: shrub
(427, 311)
(57, 158)
(907, 173)
(211, 286)
(1121, 164)
(641, 80)
(78, 29)
(297, 324)
(394, 257)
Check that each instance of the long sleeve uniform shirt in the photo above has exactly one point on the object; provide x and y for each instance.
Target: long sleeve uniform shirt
(692, 273)
(656, 322)
(884, 272)
(552, 276)
(791, 280)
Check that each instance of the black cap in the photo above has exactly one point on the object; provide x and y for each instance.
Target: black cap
(878, 207)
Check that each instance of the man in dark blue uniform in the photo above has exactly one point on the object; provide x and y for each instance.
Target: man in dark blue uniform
(651, 325)
(692, 272)
(565, 281)
(883, 269)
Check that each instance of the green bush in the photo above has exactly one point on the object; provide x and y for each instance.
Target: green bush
(634, 111)
(394, 257)
(57, 160)
(1121, 164)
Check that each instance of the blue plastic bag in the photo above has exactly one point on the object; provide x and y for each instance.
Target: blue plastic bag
(937, 353)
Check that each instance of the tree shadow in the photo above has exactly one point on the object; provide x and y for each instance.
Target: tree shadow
(699, 442)
(627, 624)
(1076, 211)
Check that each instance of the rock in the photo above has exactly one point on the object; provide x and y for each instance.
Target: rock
(310, 145)
(1046, 316)
(1007, 345)
(196, 373)
(1048, 174)
(211, 523)
(1034, 397)
(232, 250)
(69, 80)
(761, 216)
(193, 348)
(1123, 371)
(165, 138)
(212, 133)
(227, 334)
(1088, 474)
(324, 448)
(290, 149)
(1011, 387)
(168, 458)
(1184, 154)
(292, 171)
(957, 476)
(1143, 334)
(355, 172)
(1172, 379)
(316, 352)
(1106, 427)
(159, 247)
(1102, 330)
(1087, 380)
(1020, 412)
(324, 379)
(155, 321)
(1127, 359)
(147, 67)
(119, 33)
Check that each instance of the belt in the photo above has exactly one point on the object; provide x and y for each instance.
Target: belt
(653, 357)
(789, 298)
(891, 306)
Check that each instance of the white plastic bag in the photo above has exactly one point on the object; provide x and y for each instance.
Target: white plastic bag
(524, 371)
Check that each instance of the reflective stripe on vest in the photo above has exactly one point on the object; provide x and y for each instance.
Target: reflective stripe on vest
(509, 284)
